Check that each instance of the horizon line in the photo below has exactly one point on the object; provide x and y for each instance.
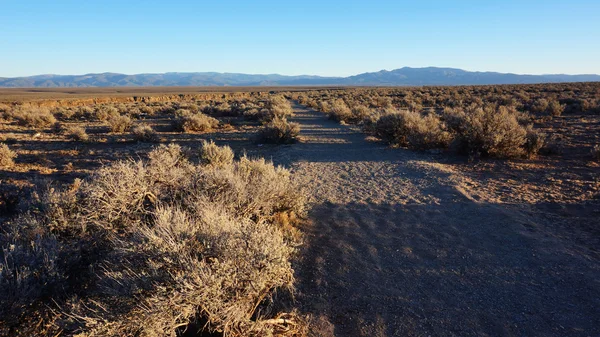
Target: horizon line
(313, 75)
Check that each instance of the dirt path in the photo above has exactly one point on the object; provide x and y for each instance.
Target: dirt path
(400, 246)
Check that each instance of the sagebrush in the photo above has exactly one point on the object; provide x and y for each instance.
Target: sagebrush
(158, 244)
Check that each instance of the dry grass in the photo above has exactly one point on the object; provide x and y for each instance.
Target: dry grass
(167, 243)
(7, 156)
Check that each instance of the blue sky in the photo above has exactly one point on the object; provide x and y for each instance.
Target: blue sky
(331, 38)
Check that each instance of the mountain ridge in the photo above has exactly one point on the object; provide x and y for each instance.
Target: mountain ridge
(406, 76)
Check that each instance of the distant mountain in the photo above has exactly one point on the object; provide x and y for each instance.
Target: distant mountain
(451, 76)
(398, 77)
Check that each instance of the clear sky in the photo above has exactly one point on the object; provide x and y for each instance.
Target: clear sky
(335, 38)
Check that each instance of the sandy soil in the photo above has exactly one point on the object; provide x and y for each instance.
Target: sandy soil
(402, 244)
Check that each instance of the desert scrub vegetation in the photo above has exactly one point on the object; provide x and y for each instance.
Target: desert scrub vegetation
(106, 112)
(33, 117)
(492, 131)
(7, 156)
(413, 130)
(487, 121)
(144, 133)
(149, 247)
(119, 124)
(76, 133)
(279, 131)
(278, 107)
(194, 122)
(596, 153)
(214, 155)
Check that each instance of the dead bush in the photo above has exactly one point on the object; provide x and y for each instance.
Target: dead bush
(219, 156)
(119, 124)
(144, 133)
(195, 123)
(7, 156)
(166, 243)
(279, 131)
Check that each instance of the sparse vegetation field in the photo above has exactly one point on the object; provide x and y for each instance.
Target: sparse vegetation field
(151, 212)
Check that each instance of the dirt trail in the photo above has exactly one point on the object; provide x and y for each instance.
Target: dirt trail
(399, 246)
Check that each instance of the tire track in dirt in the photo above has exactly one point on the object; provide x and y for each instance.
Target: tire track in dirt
(396, 246)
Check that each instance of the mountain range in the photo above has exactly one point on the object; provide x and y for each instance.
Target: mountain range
(399, 77)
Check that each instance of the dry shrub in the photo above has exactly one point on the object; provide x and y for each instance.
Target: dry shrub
(360, 113)
(7, 156)
(119, 124)
(28, 268)
(535, 141)
(106, 113)
(145, 133)
(279, 131)
(195, 123)
(596, 153)
(492, 131)
(551, 107)
(63, 113)
(4, 109)
(34, 117)
(85, 112)
(278, 107)
(76, 133)
(539, 106)
(411, 129)
(555, 108)
(339, 111)
(167, 243)
(218, 156)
